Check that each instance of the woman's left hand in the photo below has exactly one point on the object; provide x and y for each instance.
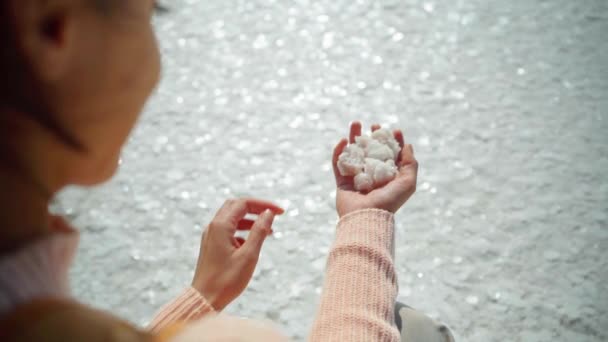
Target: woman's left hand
(226, 262)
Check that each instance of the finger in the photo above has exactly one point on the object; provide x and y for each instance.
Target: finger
(407, 157)
(260, 230)
(245, 224)
(405, 182)
(355, 131)
(258, 206)
(237, 242)
(375, 127)
(399, 137)
(340, 180)
(233, 210)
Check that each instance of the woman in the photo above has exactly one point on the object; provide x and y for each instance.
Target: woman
(77, 74)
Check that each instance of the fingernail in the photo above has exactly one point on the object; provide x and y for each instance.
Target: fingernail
(268, 213)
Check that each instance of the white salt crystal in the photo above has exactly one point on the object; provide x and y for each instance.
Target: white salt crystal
(385, 172)
(363, 141)
(378, 150)
(371, 164)
(350, 162)
(382, 135)
(387, 138)
(371, 160)
(364, 182)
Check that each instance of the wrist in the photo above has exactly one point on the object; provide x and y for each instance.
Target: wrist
(344, 210)
(211, 296)
(364, 212)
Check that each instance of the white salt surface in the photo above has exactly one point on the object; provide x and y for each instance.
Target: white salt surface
(504, 101)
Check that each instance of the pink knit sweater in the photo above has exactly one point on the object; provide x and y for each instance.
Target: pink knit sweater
(357, 302)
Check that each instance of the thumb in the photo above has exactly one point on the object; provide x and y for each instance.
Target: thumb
(259, 231)
(408, 165)
(407, 155)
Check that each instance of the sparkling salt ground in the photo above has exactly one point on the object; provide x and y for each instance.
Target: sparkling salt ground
(504, 102)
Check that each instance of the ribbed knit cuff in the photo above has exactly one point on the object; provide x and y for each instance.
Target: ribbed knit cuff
(189, 306)
(373, 228)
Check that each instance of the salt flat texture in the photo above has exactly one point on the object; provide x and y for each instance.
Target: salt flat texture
(506, 103)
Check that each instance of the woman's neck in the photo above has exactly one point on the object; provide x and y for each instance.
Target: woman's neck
(29, 178)
(24, 204)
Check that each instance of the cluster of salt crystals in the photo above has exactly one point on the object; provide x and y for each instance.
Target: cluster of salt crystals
(371, 160)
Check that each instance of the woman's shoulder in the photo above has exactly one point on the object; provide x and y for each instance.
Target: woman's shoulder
(57, 320)
(228, 328)
(66, 320)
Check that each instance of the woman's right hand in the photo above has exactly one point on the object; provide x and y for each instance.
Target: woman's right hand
(389, 197)
(226, 262)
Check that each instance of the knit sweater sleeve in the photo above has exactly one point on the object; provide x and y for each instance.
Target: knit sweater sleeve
(358, 298)
(188, 306)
